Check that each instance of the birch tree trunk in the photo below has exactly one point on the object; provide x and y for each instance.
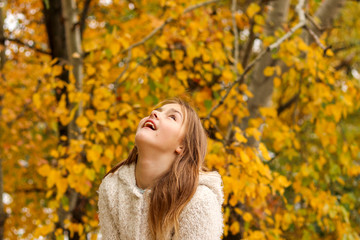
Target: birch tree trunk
(65, 42)
(74, 51)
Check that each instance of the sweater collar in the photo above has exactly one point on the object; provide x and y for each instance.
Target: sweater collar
(211, 180)
(126, 174)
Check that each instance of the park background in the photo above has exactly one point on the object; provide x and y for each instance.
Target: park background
(276, 84)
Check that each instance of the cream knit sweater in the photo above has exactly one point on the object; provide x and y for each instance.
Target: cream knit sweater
(123, 209)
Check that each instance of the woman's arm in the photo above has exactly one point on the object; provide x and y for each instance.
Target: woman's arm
(108, 229)
(202, 218)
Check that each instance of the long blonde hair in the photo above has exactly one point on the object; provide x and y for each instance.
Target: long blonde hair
(175, 188)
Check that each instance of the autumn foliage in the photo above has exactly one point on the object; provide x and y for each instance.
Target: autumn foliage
(290, 162)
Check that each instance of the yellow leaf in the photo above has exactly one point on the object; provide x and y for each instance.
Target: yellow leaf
(259, 19)
(283, 181)
(57, 70)
(277, 82)
(178, 55)
(264, 151)
(44, 170)
(90, 174)
(329, 53)
(244, 157)
(114, 47)
(82, 121)
(162, 42)
(44, 230)
(61, 185)
(240, 68)
(52, 178)
(156, 74)
(247, 217)
(268, 112)
(253, 132)
(218, 135)
(36, 100)
(164, 54)
(227, 75)
(252, 10)
(258, 29)
(182, 75)
(235, 228)
(90, 70)
(240, 138)
(269, 71)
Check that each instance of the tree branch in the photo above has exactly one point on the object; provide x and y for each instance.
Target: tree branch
(312, 21)
(126, 62)
(275, 45)
(83, 16)
(286, 105)
(30, 190)
(167, 21)
(317, 40)
(18, 41)
(236, 58)
(236, 37)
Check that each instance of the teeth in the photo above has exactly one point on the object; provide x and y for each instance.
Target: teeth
(150, 124)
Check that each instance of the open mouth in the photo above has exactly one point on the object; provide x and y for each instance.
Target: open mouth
(150, 124)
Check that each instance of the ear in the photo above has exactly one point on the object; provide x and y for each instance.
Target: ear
(179, 149)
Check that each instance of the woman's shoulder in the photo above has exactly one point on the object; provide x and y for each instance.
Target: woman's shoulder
(202, 217)
(209, 191)
(210, 183)
(124, 174)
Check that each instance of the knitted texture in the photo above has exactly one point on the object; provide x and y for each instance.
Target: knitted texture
(123, 210)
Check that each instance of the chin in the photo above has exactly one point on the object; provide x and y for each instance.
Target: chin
(143, 139)
(148, 144)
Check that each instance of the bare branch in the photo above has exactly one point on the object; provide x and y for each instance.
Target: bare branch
(18, 41)
(312, 21)
(317, 40)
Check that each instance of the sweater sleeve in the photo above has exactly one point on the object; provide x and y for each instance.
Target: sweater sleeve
(107, 226)
(202, 218)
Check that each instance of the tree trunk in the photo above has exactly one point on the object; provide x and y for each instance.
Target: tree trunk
(3, 214)
(65, 43)
(74, 51)
(261, 86)
(326, 13)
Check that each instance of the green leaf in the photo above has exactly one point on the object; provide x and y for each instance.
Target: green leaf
(208, 104)
(47, 6)
(65, 201)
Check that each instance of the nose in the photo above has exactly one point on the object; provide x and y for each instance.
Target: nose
(154, 114)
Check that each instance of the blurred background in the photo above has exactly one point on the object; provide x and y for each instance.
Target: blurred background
(276, 84)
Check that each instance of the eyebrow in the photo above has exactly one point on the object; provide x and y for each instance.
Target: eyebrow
(170, 110)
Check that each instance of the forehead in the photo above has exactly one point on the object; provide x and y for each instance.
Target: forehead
(174, 106)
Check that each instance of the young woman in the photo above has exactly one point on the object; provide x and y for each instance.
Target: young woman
(162, 191)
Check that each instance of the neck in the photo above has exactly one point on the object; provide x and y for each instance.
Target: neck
(149, 168)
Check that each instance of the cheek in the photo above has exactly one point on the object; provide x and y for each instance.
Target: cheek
(142, 121)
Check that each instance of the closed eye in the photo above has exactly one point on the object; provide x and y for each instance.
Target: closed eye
(173, 117)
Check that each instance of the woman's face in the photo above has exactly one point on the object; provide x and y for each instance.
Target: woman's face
(163, 130)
